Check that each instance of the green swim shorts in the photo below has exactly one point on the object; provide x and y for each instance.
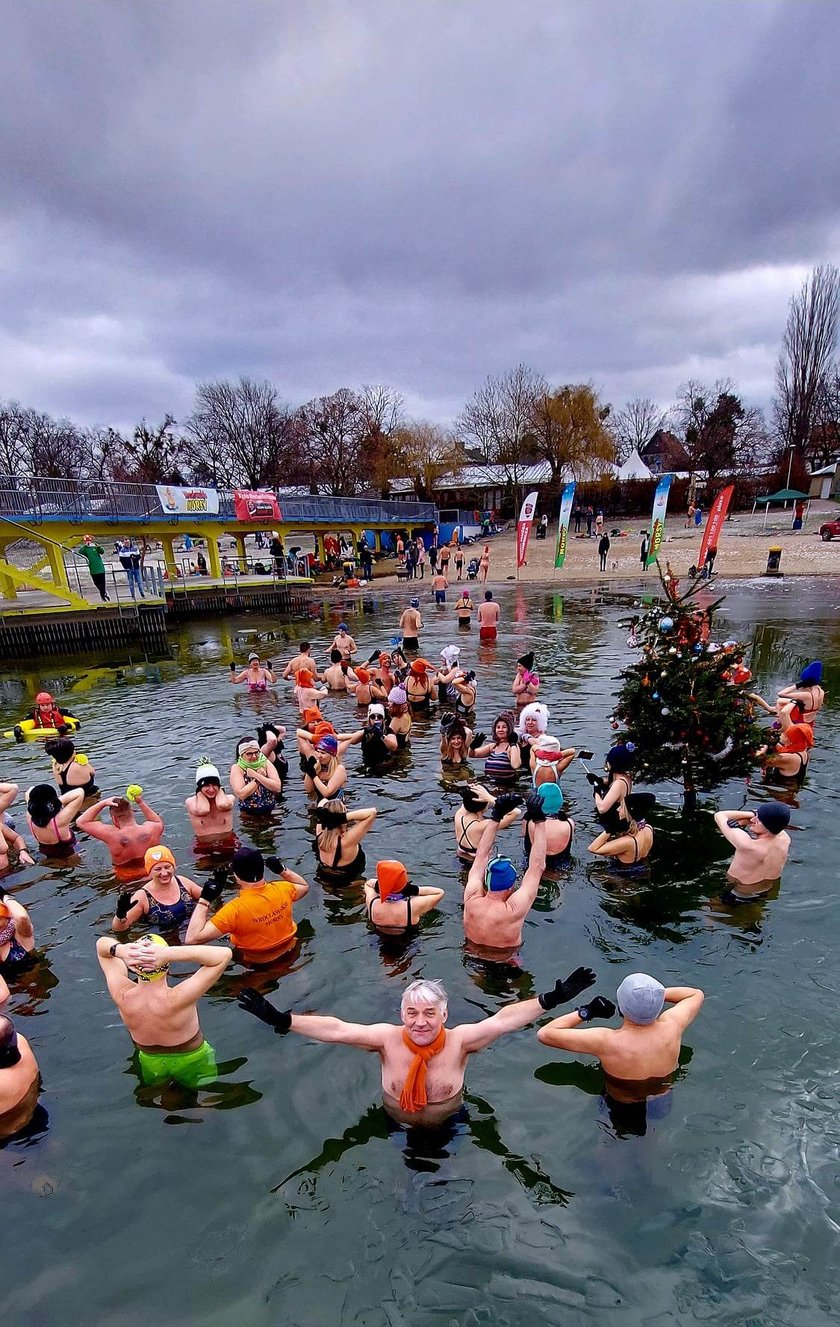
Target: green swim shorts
(189, 1068)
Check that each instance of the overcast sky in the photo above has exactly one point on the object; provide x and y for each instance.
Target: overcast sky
(330, 194)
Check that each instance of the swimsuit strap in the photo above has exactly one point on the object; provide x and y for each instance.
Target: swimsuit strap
(463, 838)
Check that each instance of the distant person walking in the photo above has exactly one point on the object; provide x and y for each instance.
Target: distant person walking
(92, 554)
(590, 515)
(643, 550)
(603, 550)
(130, 563)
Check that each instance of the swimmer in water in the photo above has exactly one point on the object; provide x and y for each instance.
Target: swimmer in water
(411, 624)
(51, 817)
(471, 822)
(257, 675)
(488, 618)
(503, 755)
(125, 840)
(791, 754)
(393, 904)
(211, 809)
(254, 781)
(338, 840)
(807, 693)
(302, 662)
(465, 608)
(165, 901)
(337, 672)
(559, 828)
(359, 685)
(162, 1019)
(9, 838)
(422, 1062)
(526, 682)
(494, 909)
(761, 846)
(259, 920)
(70, 770)
(344, 642)
(19, 1080)
(398, 732)
(455, 740)
(419, 685)
(17, 936)
(323, 771)
(610, 794)
(645, 1050)
(628, 851)
(307, 693)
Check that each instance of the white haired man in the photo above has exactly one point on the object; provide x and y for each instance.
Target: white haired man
(423, 1062)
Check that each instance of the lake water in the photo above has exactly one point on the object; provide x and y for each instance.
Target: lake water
(281, 1197)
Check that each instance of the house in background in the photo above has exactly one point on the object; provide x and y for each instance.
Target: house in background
(664, 454)
(825, 482)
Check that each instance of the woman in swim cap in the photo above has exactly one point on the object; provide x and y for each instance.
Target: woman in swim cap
(611, 793)
(307, 692)
(257, 675)
(526, 682)
(559, 828)
(419, 685)
(51, 816)
(503, 755)
(807, 693)
(627, 852)
(69, 769)
(254, 781)
(397, 736)
(791, 754)
(470, 821)
(338, 840)
(360, 688)
(165, 901)
(465, 608)
(324, 773)
(393, 904)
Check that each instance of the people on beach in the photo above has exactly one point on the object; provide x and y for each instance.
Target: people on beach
(126, 840)
(761, 844)
(484, 564)
(162, 1020)
(422, 1062)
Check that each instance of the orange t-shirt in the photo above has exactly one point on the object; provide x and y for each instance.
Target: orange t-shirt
(259, 921)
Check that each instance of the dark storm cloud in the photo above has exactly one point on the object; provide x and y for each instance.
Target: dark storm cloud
(331, 194)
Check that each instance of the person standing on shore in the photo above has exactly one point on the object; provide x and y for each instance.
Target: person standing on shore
(484, 563)
(643, 550)
(92, 554)
(603, 550)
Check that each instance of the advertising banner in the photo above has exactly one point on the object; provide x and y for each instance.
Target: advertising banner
(657, 519)
(567, 498)
(714, 524)
(523, 528)
(193, 501)
(255, 505)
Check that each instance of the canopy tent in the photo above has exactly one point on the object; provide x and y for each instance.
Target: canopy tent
(634, 468)
(784, 496)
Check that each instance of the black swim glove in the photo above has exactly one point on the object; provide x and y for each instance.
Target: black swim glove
(411, 891)
(268, 665)
(599, 1007)
(254, 1003)
(504, 803)
(311, 767)
(212, 888)
(478, 740)
(232, 666)
(579, 980)
(275, 864)
(597, 783)
(534, 808)
(123, 906)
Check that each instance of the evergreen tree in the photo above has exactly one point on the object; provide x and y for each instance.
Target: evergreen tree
(688, 720)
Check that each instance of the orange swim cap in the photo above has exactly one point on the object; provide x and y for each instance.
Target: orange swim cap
(305, 678)
(312, 715)
(799, 737)
(363, 675)
(391, 877)
(322, 729)
(156, 855)
(420, 667)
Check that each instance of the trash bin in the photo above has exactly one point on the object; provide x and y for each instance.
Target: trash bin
(774, 558)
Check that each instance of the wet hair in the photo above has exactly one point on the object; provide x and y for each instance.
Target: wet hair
(42, 804)
(426, 991)
(60, 748)
(336, 656)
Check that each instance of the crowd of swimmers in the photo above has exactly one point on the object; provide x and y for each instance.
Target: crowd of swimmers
(246, 906)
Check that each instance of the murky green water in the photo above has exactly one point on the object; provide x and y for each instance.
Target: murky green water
(282, 1198)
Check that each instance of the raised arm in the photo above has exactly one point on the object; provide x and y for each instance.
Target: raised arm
(89, 819)
(211, 959)
(735, 833)
(522, 901)
(70, 803)
(475, 1036)
(320, 1027)
(150, 816)
(686, 1002)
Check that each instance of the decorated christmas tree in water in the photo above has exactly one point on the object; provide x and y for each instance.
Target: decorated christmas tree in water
(679, 704)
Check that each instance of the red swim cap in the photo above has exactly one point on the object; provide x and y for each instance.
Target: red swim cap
(391, 877)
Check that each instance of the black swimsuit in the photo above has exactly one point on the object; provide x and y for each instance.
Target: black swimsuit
(335, 869)
(408, 922)
(89, 789)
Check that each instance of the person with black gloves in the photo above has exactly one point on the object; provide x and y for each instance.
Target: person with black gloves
(647, 1045)
(259, 920)
(471, 823)
(422, 1061)
(494, 909)
(166, 900)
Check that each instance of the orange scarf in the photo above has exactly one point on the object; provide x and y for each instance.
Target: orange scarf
(413, 1096)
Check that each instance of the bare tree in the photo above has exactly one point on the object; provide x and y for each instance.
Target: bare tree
(634, 426)
(54, 448)
(334, 427)
(568, 430)
(807, 352)
(153, 455)
(13, 428)
(720, 432)
(429, 452)
(239, 435)
(381, 413)
(499, 419)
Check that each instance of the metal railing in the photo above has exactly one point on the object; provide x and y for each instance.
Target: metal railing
(43, 498)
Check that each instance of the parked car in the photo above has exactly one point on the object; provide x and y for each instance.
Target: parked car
(831, 530)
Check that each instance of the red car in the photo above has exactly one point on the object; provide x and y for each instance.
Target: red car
(830, 530)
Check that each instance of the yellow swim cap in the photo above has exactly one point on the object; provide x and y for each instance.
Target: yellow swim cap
(80, 759)
(161, 972)
(133, 791)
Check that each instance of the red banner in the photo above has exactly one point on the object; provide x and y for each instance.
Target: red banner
(523, 528)
(714, 524)
(256, 505)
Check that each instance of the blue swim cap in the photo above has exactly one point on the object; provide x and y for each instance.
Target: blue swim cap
(551, 796)
(812, 675)
(342, 626)
(414, 603)
(500, 874)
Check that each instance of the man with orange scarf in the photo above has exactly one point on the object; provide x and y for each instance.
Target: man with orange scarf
(423, 1062)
